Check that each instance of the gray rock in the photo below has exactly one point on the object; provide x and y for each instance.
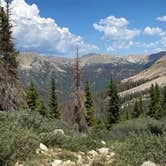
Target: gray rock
(103, 151)
(103, 142)
(43, 147)
(68, 163)
(58, 131)
(57, 163)
(148, 163)
(92, 153)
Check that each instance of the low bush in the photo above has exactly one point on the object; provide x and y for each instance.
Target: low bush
(32, 120)
(19, 134)
(76, 143)
(140, 148)
(16, 143)
(122, 130)
(67, 155)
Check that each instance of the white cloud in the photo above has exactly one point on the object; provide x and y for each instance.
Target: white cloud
(33, 32)
(154, 31)
(116, 30)
(162, 18)
(153, 46)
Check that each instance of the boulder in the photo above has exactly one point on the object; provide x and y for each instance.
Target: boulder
(103, 142)
(68, 163)
(148, 163)
(57, 163)
(18, 164)
(112, 154)
(38, 151)
(58, 131)
(92, 153)
(43, 147)
(103, 151)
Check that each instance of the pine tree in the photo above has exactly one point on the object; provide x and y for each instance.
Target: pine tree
(140, 105)
(114, 104)
(158, 107)
(164, 99)
(53, 104)
(11, 92)
(40, 107)
(152, 101)
(155, 108)
(6, 45)
(89, 106)
(136, 110)
(32, 97)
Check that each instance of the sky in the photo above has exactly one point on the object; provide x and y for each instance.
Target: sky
(57, 27)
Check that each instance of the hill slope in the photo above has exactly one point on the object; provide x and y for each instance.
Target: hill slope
(154, 74)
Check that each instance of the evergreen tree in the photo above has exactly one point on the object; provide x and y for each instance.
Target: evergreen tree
(32, 97)
(40, 107)
(158, 107)
(11, 92)
(164, 99)
(89, 106)
(140, 105)
(152, 101)
(155, 108)
(7, 49)
(114, 104)
(53, 103)
(136, 110)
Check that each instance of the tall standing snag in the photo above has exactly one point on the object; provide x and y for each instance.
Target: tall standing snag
(79, 116)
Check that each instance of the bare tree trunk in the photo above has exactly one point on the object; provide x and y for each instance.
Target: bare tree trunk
(79, 117)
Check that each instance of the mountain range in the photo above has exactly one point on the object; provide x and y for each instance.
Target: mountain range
(95, 68)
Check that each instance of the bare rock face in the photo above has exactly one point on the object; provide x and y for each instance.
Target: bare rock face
(148, 163)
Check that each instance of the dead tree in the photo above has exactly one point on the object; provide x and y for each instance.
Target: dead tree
(79, 117)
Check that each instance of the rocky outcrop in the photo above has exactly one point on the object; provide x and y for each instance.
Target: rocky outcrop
(100, 156)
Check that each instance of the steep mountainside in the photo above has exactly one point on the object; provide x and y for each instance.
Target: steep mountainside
(154, 74)
(95, 68)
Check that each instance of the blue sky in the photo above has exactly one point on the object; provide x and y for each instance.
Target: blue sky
(103, 26)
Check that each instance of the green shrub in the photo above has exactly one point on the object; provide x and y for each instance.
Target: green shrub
(52, 139)
(75, 143)
(32, 120)
(101, 161)
(16, 143)
(83, 143)
(122, 130)
(19, 134)
(67, 155)
(141, 148)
